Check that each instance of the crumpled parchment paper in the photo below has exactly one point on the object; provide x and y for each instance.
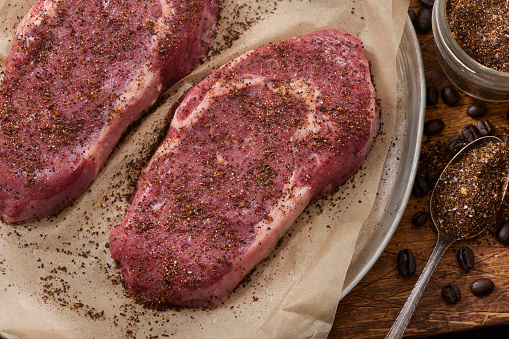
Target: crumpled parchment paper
(57, 278)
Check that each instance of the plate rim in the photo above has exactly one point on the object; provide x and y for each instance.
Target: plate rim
(410, 35)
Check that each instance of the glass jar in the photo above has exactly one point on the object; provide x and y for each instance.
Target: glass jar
(467, 74)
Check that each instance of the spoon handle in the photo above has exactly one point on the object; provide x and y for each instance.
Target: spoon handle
(398, 328)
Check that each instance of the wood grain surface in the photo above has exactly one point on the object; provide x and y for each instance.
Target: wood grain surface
(369, 310)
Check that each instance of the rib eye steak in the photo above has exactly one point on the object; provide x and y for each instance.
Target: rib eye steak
(247, 150)
(78, 73)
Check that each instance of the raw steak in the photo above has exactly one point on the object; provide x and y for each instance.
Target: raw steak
(79, 72)
(247, 150)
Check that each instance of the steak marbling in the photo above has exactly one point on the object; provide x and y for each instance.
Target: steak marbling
(247, 150)
(79, 72)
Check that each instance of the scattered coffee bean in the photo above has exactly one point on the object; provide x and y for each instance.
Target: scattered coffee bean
(482, 287)
(470, 133)
(431, 96)
(503, 233)
(427, 3)
(456, 143)
(477, 110)
(406, 263)
(433, 127)
(465, 257)
(419, 218)
(412, 16)
(420, 187)
(432, 176)
(423, 22)
(451, 294)
(486, 127)
(450, 95)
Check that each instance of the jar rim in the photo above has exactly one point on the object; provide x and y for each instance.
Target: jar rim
(442, 29)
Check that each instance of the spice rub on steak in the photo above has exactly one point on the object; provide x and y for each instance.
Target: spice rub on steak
(78, 73)
(247, 150)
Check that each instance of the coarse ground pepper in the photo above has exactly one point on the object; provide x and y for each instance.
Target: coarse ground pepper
(481, 29)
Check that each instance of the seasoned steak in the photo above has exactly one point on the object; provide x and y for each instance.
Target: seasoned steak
(247, 150)
(79, 72)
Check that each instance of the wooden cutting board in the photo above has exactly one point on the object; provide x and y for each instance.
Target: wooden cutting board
(369, 310)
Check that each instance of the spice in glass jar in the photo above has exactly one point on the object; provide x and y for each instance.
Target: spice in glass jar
(481, 29)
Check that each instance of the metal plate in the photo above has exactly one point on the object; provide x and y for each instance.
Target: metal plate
(400, 165)
(392, 199)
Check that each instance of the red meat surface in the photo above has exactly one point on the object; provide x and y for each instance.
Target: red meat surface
(247, 150)
(78, 73)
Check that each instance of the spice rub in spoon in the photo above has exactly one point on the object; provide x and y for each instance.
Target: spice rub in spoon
(469, 195)
(465, 202)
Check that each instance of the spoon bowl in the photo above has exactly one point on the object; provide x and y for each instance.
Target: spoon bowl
(454, 222)
(470, 190)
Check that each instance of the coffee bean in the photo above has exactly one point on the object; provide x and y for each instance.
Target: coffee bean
(412, 16)
(419, 218)
(406, 263)
(450, 95)
(456, 143)
(477, 110)
(427, 3)
(451, 294)
(486, 127)
(431, 96)
(420, 187)
(423, 22)
(470, 133)
(465, 258)
(482, 287)
(432, 176)
(503, 233)
(433, 127)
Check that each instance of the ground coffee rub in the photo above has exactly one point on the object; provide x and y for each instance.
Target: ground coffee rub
(468, 196)
(248, 149)
(480, 27)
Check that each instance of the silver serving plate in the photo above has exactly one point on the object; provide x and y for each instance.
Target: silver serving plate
(401, 163)
(392, 198)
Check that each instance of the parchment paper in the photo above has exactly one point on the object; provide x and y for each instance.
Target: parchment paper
(58, 280)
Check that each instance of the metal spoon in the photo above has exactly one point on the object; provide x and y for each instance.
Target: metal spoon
(443, 242)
